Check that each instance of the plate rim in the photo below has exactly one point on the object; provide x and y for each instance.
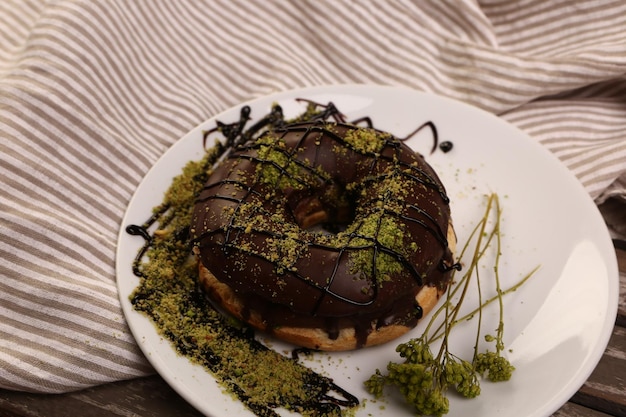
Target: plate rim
(360, 89)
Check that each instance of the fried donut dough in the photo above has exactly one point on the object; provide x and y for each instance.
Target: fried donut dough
(381, 261)
(315, 338)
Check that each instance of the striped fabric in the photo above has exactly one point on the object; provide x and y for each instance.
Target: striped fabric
(93, 92)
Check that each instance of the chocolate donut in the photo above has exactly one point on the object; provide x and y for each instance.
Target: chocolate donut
(327, 235)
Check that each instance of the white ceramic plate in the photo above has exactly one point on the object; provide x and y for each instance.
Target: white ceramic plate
(556, 326)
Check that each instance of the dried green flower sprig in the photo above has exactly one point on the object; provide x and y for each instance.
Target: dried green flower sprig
(424, 378)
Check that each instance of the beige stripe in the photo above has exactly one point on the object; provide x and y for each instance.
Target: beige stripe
(67, 167)
(12, 26)
(55, 221)
(107, 74)
(601, 112)
(172, 106)
(558, 131)
(16, 20)
(64, 247)
(56, 314)
(231, 54)
(588, 138)
(109, 127)
(21, 267)
(99, 90)
(554, 73)
(463, 20)
(553, 28)
(258, 62)
(28, 377)
(614, 88)
(562, 136)
(369, 51)
(61, 133)
(190, 57)
(233, 50)
(298, 67)
(516, 16)
(46, 192)
(305, 65)
(601, 156)
(584, 16)
(203, 56)
(220, 64)
(127, 85)
(56, 331)
(96, 362)
(58, 372)
(66, 220)
(363, 47)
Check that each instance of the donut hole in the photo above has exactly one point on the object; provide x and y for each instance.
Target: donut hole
(330, 209)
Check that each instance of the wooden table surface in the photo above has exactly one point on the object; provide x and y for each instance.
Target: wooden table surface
(604, 393)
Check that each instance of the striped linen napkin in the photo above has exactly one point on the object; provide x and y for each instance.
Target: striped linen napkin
(93, 92)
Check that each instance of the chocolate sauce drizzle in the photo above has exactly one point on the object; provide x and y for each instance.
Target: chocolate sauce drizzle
(237, 138)
(320, 388)
(230, 233)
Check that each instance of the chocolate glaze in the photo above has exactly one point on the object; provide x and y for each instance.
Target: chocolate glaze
(320, 288)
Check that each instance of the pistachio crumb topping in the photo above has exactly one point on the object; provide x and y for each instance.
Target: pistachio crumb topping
(366, 140)
(377, 231)
(268, 180)
(167, 292)
(277, 167)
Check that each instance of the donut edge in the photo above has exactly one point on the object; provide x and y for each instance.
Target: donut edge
(316, 338)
